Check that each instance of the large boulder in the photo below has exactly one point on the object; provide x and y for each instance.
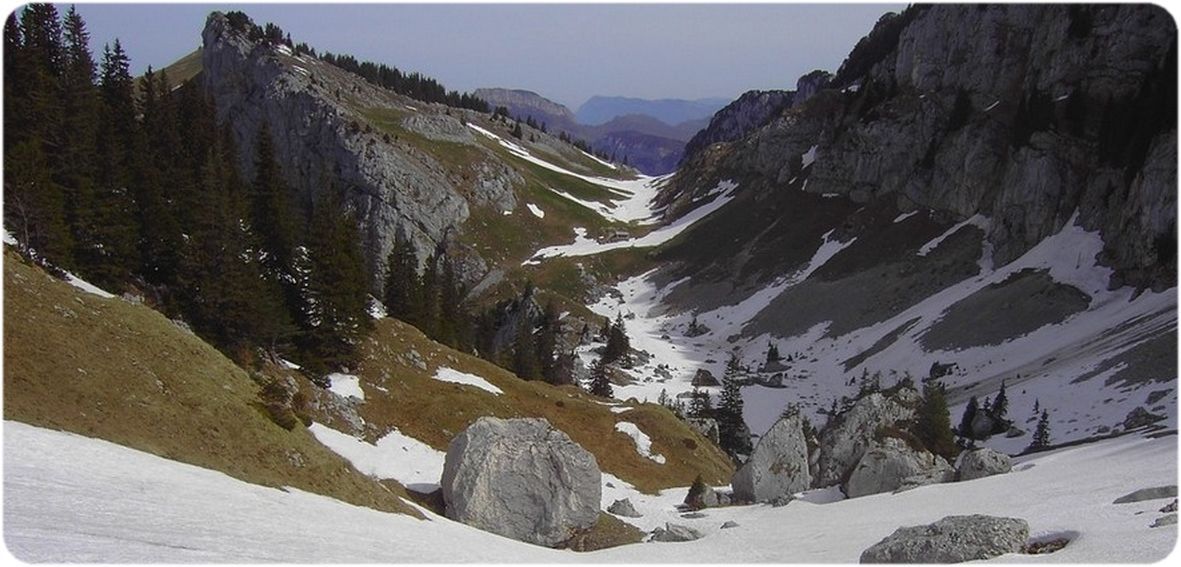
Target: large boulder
(892, 464)
(522, 479)
(623, 508)
(980, 463)
(1140, 417)
(675, 532)
(778, 466)
(954, 539)
(841, 445)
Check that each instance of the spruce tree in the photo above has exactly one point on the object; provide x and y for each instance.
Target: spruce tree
(1041, 435)
(733, 436)
(76, 169)
(525, 349)
(402, 293)
(700, 404)
(547, 342)
(272, 215)
(600, 381)
(427, 318)
(617, 341)
(453, 325)
(965, 428)
(1000, 404)
(933, 424)
(337, 297)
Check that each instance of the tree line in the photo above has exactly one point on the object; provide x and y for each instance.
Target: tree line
(134, 186)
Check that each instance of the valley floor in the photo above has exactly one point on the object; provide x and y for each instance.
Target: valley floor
(69, 498)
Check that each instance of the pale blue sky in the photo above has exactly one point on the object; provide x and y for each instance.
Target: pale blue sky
(565, 52)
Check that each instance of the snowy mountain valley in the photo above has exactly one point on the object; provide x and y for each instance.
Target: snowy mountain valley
(284, 305)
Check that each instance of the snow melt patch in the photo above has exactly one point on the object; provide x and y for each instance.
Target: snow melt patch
(978, 221)
(346, 385)
(809, 157)
(582, 246)
(87, 286)
(537, 212)
(396, 455)
(450, 375)
(643, 442)
(905, 216)
(992, 106)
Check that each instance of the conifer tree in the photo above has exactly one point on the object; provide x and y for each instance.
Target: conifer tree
(733, 436)
(1000, 404)
(273, 216)
(617, 341)
(933, 424)
(547, 342)
(525, 364)
(600, 382)
(427, 317)
(1041, 435)
(337, 297)
(700, 404)
(402, 293)
(75, 171)
(453, 325)
(965, 428)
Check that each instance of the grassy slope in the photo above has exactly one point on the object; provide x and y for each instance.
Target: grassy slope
(434, 411)
(106, 368)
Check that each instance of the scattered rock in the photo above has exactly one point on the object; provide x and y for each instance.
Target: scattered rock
(706, 497)
(842, 445)
(729, 524)
(953, 539)
(777, 467)
(1171, 507)
(888, 465)
(1166, 520)
(1143, 494)
(1044, 547)
(675, 532)
(980, 463)
(623, 508)
(1156, 396)
(781, 501)
(704, 378)
(693, 515)
(552, 483)
(706, 426)
(1140, 417)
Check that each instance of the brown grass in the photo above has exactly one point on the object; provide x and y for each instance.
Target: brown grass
(434, 411)
(109, 369)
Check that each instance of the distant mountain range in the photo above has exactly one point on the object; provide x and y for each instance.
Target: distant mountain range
(649, 135)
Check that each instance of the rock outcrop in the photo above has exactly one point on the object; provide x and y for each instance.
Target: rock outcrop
(1021, 113)
(953, 539)
(841, 446)
(1154, 493)
(980, 463)
(623, 508)
(778, 466)
(522, 479)
(748, 112)
(675, 533)
(892, 464)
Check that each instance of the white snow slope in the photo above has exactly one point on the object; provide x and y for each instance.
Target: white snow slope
(133, 507)
(1047, 359)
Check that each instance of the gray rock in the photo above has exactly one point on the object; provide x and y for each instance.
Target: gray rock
(777, 467)
(624, 508)
(1166, 520)
(706, 426)
(693, 515)
(890, 465)
(980, 463)
(1170, 507)
(842, 445)
(522, 479)
(704, 378)
(729, 524)
(1155, 493)
(953, 539)
(1140, 417)
(708, 498)
(675, 532)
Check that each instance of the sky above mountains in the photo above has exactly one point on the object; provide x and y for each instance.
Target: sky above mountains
(567, 53)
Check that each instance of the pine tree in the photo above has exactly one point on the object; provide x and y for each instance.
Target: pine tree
(1041, 435)
(403, 287)
(273, 217)
(600, 382)
(1000, 404)
(76, 170)
(617, 342)
(965, 428)
(700, 404)
(933, 424)
(773, 354)
(337, 297)
(525, 349)
(733, 436)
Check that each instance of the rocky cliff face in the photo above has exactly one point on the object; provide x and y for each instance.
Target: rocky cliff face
(524, 103)
(311, 110)
(737, 119)
(1024, 114)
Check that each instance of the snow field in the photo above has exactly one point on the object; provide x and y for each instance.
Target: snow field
(450, 375)
(398, 456)
(643, 442)
(143, 508)
(346, 385)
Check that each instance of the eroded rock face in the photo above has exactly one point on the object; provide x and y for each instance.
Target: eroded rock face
(953, 539)
(778, 466)
(842, 445)
(522, 479)
(892, 464)
(312, 110)
(980, 463)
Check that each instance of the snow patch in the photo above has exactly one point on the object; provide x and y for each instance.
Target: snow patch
(537, 212)
(450, 375)
(992, 106)
(396, 455)
(904, 216)
(643, 442)
(809, 157)
(346, 385)
(978, 220)
(87, 286)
